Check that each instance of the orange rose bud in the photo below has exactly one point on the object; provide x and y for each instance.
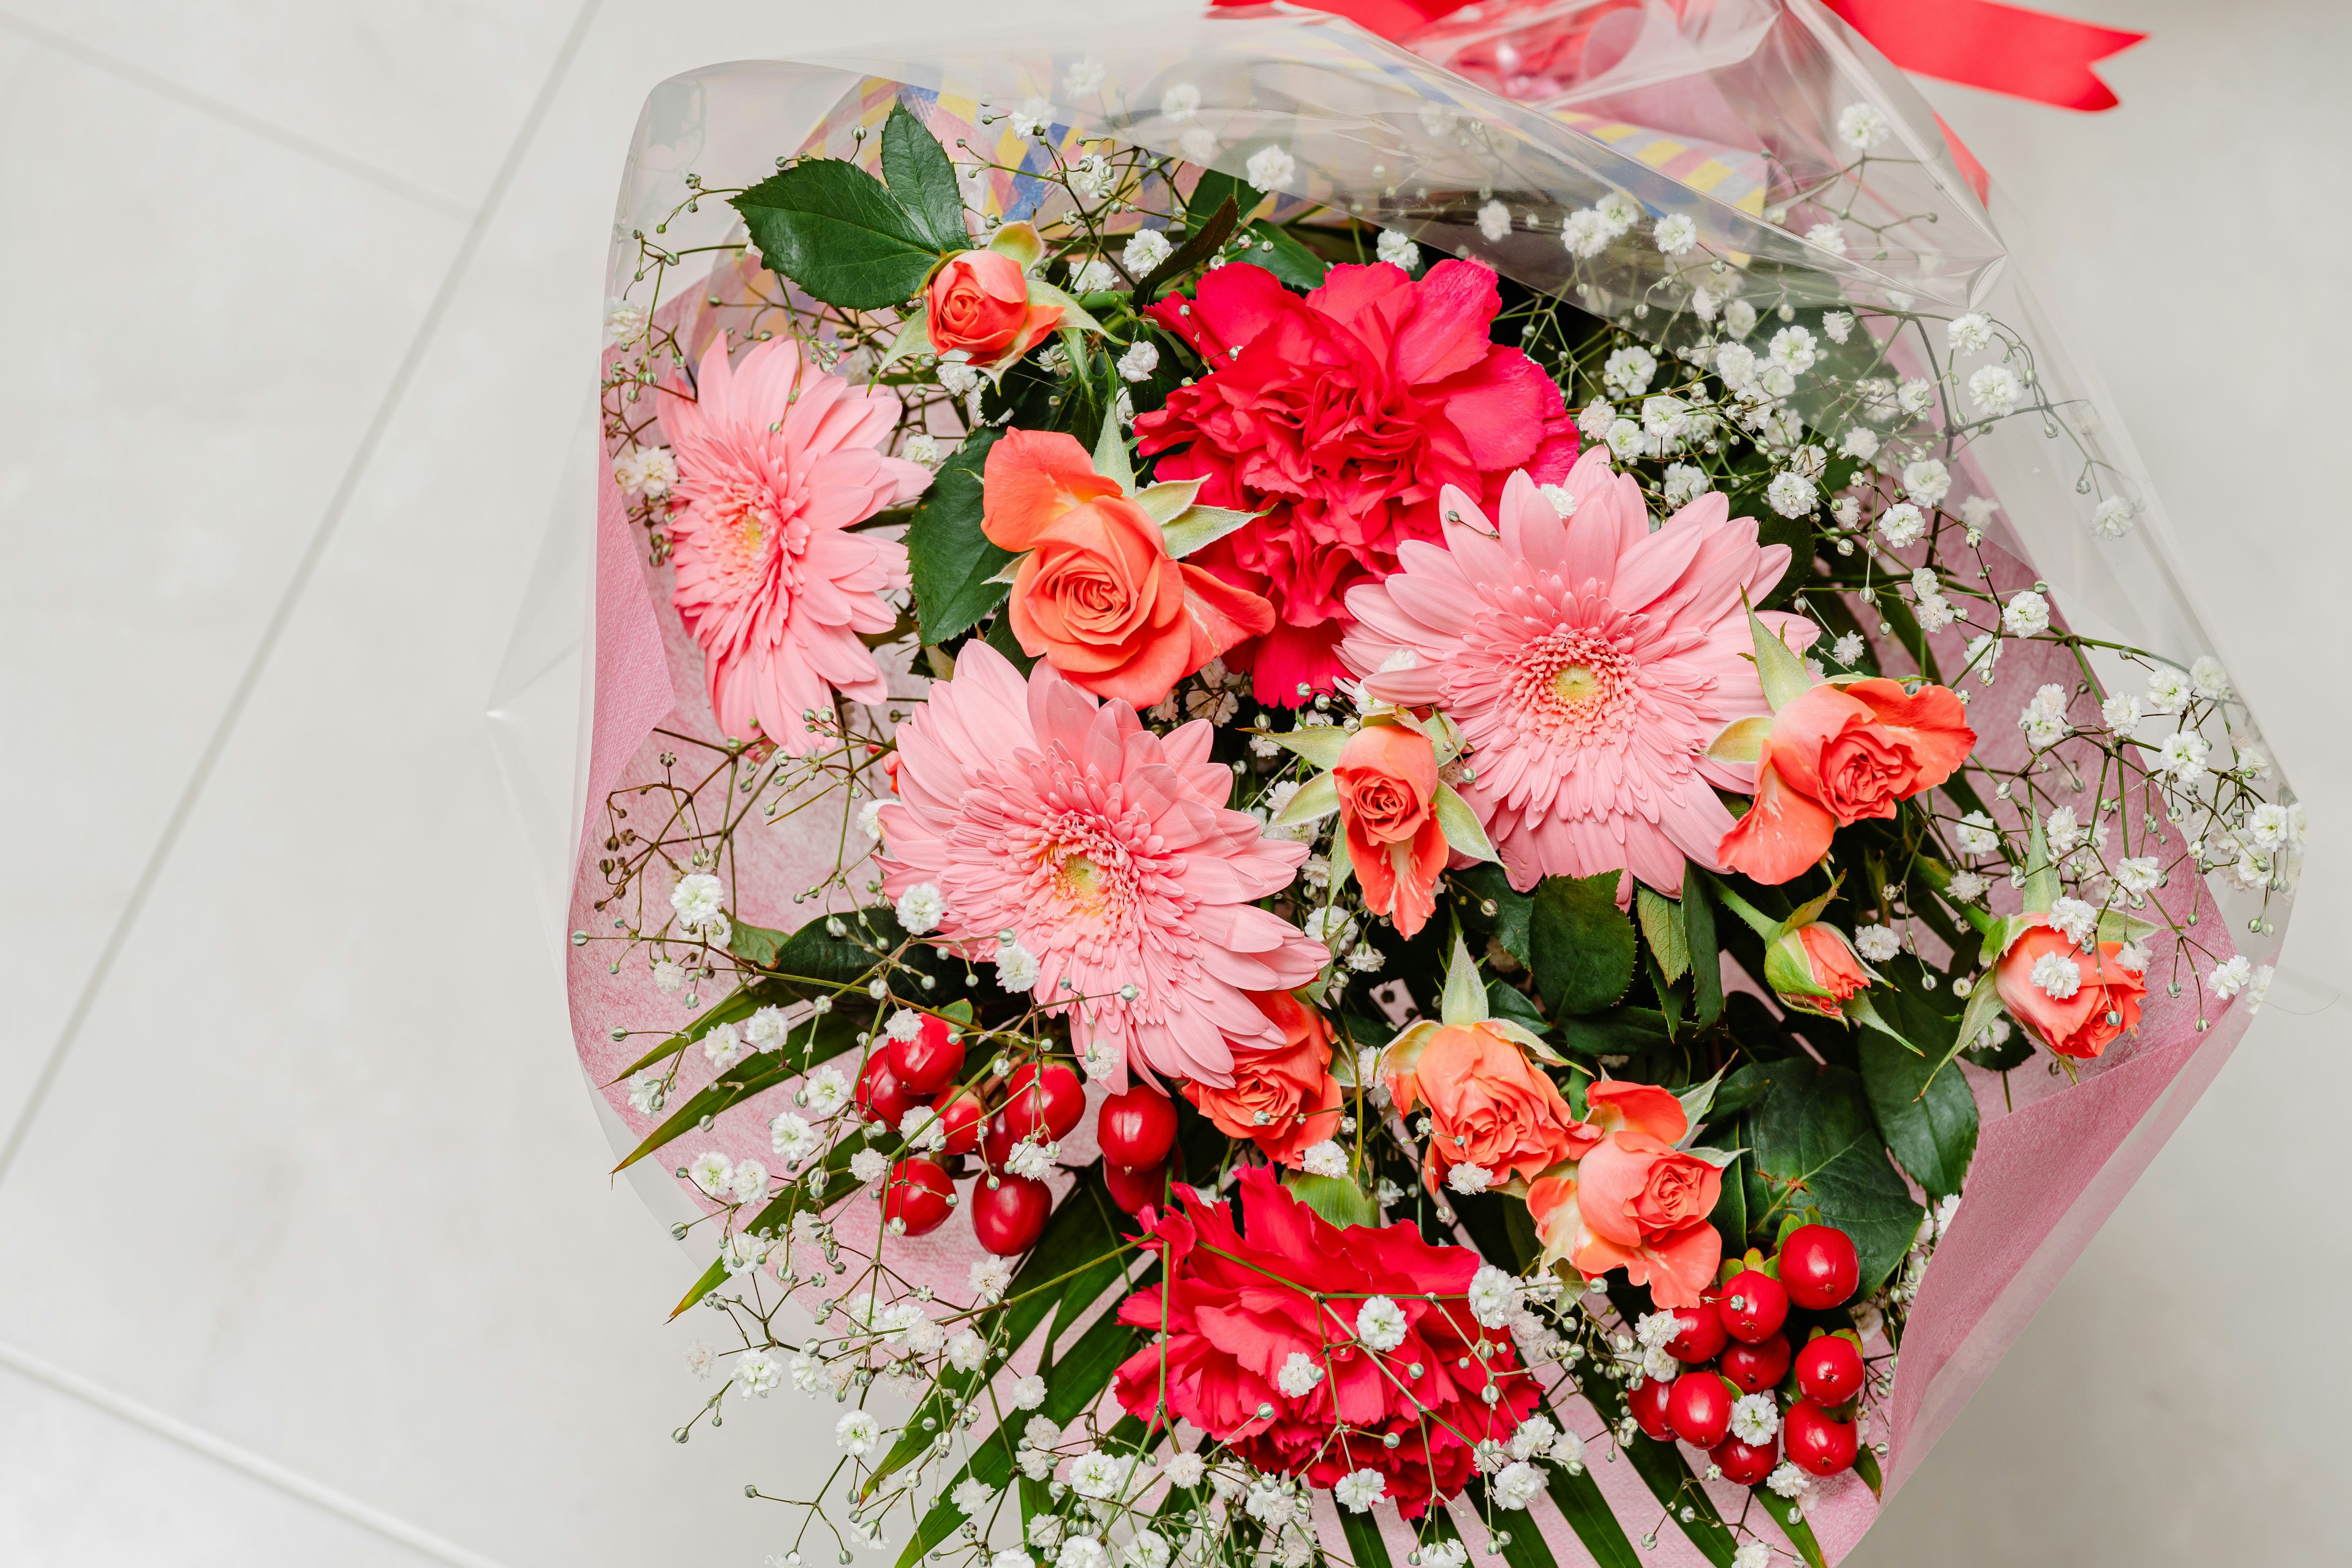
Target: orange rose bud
(1488, 1107)
(1814, 969)
(1098, 595)
(979, 302)
(2077, 1002)
(1285, 1101)
(1836, 756)
(1387, 778)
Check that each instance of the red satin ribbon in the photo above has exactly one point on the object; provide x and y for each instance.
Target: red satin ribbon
(2001, 48)
(1977, 42)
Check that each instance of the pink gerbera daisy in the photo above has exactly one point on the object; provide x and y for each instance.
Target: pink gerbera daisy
(776, 461)
(1107, 852)
(1589, 662)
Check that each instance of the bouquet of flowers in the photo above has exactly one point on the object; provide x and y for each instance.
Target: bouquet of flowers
(1333, 802)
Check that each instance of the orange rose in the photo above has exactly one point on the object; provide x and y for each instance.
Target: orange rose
(1286, 1099)
(2100, 1003)
(979, 302)
(1814, 970)
(1098, 595)
(1631, 1201)
(1488, 1105)
(1387, 778)
(1838, 755)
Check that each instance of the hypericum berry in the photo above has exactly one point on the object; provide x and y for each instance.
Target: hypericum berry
(1050, 1096)
(1755, 1368)
(1648, 1405)
(1753, 1307)
(1136, 1129)
(996, 1142)
(1829, 1370)
(881, 1094)
(1700, 1408)
(918, 1198)
(1817, 1440)
(963, 1115)
(1746, 1464)
(929, 1062)
(1132, 1189)
(1010, 1217)
(1701, 1336)
(1818, 1267)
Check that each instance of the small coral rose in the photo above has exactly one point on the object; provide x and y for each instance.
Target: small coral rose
(1631, 1201)
(1488, 1107)
(1387, 778)
(1284, 1098)
(2077, 1002)
(1814, 969)
(979, 302)
(1098, 594)
(1835, 755)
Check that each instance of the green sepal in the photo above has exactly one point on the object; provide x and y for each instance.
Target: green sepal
(1460, 825)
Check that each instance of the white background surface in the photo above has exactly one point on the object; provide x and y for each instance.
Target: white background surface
(305, 1256)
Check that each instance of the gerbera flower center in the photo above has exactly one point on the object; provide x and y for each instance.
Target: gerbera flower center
(1573, 687)
(748, 534)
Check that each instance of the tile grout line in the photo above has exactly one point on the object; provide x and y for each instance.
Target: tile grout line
(293, 140)
(196, 1440)
(304, 569)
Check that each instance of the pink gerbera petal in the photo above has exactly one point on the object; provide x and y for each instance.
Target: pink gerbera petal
(776, 459)
(1107, 852)
(1588, 662)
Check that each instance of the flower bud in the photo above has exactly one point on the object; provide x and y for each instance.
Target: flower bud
(1814, 969)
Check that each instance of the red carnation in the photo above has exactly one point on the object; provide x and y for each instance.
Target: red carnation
(1243, 1304)
(1342, 416)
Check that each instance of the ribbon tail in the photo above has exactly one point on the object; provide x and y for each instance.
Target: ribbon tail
(2002, 48)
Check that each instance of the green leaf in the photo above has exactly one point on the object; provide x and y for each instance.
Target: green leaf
(733, 1009)
(1320, 745)
(1199, 246)
(775, 1215)
(1729, 1215)
(1661, 1466)
(1318, 798)
(1512, 909)
(952, 562)
(923, 180)
(1076, 1241)
(1336, 1198)
(1661, 924)
(831, 228)
(829, 1036)
(1581, 1502)
(1505, 1000)
(1581, 942)
(1816, 1144)
(2041, 885)
(1274, 248)
(1198, 527)
(1465, 1000)
(1791, 1517)
(813, 953)
(1784, 675)
(756, 944)
(1164, 503)
(1365, 1547)
(1111, 460)
(1213, 189)
(1615, 1032)
(1000, 637)
(1706, 956)
(1928, 1118)
(1464, 832)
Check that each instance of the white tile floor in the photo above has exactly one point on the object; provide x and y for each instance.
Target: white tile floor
(304, 1257)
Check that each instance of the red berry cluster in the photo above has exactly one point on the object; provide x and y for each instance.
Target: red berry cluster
(1039, 1099)
(1739, 1329)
